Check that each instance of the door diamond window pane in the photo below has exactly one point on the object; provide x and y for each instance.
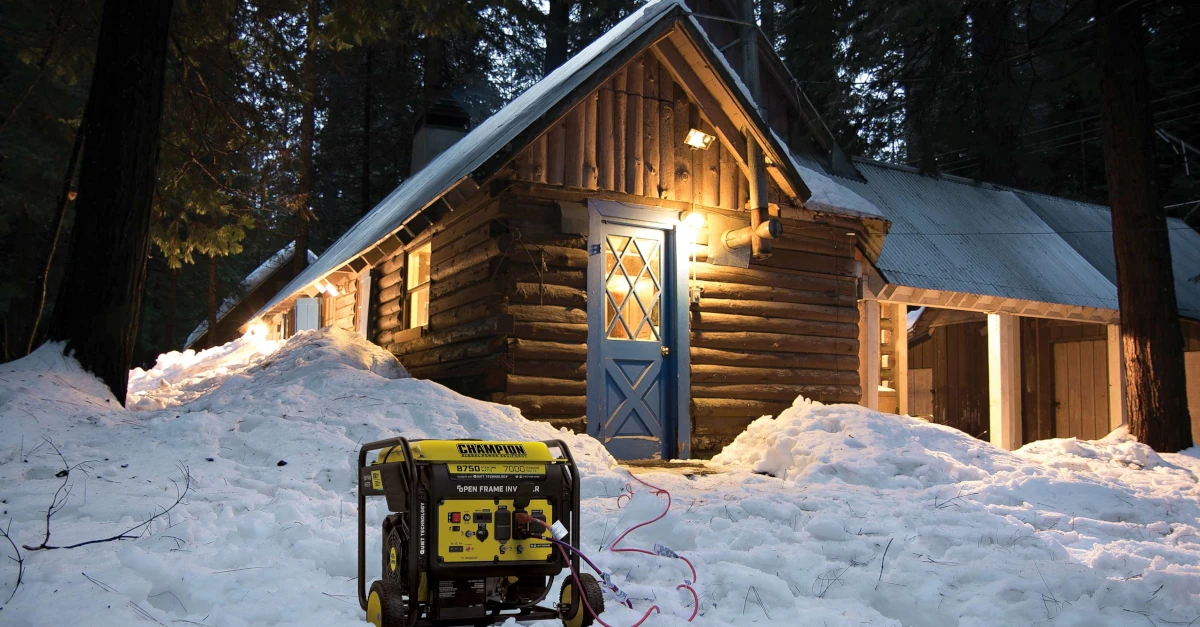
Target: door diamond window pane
(632, 288)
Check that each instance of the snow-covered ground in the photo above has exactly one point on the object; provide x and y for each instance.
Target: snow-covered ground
(826, 515)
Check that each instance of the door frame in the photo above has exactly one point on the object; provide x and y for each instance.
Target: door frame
(676, 366)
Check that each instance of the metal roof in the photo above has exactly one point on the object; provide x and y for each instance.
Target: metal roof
(1088, 229)
(956, 235)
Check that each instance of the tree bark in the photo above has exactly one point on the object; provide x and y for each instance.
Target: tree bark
(557, 22)
(995, 114)
(1151, 339)
(169, 324)
(212, 301)
(97, 312)
(366, 136)
(307, 124)
(64, 199)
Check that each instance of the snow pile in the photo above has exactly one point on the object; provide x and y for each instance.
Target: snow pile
(826, 515)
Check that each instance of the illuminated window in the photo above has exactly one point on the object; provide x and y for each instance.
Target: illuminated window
(418, 286)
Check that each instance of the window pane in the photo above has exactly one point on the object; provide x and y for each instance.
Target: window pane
(632, 290)
(418, 265)
(418, 308)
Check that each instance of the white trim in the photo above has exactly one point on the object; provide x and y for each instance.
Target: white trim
(1004, 380)
(900, 368)
(1116, 379)
(869, 368)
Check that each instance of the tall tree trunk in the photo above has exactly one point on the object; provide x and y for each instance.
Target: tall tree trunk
(995, 114)
(168, 339)
(766, 10)
(1151, 338)
(557, 22)
(366, 136)
(101, 294)
(304, 213)
(64, 198)
(212, 301)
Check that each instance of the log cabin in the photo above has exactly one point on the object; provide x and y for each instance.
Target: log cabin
(645, 245)
(660, 242)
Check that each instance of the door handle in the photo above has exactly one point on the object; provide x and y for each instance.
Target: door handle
(666, 351)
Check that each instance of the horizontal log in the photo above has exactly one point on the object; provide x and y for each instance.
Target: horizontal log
(735, 408)
(706, 373)
(729, 322)
(466, 278)
(780, 342)
(545, 368)
(794, 311)
(839, 246)
(760, 276)
(391, 293)
(389, 322)
(389, 307)
(777, 392)
(518, 384)
(810, 262)
(445, 245)
(548, 313)
(717, 431)
(561, 256)
(485, 351)
(392, 265)
(521, 271)
(495, 325)
(521, 348)
(389, 279)
(467, 219)
(541, 294)
(764, 359)
(465, 313)
(735, 291)
(551, 331)
(536, 404)
(489, 249)
(480, 291)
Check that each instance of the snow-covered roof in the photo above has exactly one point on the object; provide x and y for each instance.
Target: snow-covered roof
(496, 132)
(827, 193)
(470, 152)
(248, 284)
(955, 235)
(1088, 229)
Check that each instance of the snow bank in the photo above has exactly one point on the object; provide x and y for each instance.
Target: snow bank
(826, 515)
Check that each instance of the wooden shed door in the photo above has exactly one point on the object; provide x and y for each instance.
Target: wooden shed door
(633, 400)
(1081, 389)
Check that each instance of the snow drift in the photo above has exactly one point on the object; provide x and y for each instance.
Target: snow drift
(825, 515)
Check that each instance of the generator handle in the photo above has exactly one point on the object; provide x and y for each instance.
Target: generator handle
(575, 499)
(401, 443)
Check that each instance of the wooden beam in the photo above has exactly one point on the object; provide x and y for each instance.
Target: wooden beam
(921, 297)
(1116, 378)
(900, 368)
(868, 351)
(1004, 380)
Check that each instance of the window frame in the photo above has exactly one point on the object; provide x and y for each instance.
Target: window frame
(411, 290)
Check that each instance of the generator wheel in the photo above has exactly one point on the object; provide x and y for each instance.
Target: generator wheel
(574, 612)
(385, 605)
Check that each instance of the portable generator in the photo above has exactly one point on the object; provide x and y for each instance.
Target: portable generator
(467, 539)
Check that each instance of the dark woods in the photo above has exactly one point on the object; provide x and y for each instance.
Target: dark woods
(290, 119)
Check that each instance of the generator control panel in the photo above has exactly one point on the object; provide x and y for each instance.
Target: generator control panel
(484, 530)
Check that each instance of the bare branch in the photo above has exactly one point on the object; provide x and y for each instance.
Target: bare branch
(18, 559)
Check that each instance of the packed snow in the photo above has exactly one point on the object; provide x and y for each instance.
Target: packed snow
(824, 515)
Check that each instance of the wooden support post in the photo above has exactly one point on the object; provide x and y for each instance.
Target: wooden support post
(1004, 380)
(868, 353)
(1116, 378)
(900, 368)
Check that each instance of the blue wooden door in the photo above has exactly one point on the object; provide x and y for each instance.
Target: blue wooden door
(629, 402)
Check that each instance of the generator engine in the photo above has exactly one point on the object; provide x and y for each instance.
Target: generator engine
(467, 537)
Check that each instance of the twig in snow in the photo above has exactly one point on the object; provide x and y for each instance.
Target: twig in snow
(141, 528)
(100, 584)
(1048, 599)
(758, 600)
(1145, 615)
(172, 595)
(18, 559)
(825, 581)
(143, 613)
(61, 494)
(882, 562)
